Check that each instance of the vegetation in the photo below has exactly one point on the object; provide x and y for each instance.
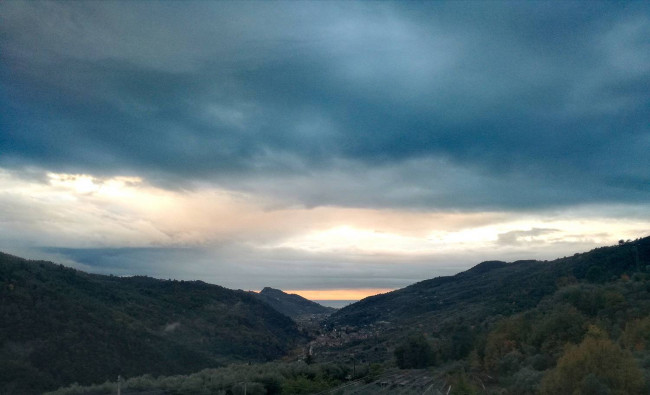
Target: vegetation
(496, 288)
(522, 327)
(596, 366)
(563, 345)
(414, 353)
(267, 378)
(60, 325)
(291, 305)
(526, 327)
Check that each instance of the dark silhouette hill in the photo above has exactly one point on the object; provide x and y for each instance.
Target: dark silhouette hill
(291, 305)
(578, 324)
(59, 325)
(494, 287)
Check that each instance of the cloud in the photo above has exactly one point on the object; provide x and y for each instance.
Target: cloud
(533, 105)
(520, 236)
(245, 267)
(306, 143)
(124, 226)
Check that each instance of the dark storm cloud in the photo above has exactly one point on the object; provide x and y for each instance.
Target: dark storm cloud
(383, 104)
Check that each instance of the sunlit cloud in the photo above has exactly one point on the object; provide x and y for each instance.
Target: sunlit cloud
(240, 236)
(336, 145)
(507, 236)
(350, 239)
(86, 184)
(209, 214)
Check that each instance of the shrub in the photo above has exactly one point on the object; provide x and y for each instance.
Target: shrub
(414, 353)
(597, 365)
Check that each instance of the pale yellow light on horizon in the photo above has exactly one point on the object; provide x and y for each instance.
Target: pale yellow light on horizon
(83, 210)
(338, 294)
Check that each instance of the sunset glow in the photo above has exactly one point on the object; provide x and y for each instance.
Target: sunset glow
(338, 294)
(127, 212)
(472, 170)
(347, 147)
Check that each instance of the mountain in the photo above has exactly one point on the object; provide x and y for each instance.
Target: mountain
(291, 305)
(525, 327)
(493, 287)
(578, 324)
(59, 325)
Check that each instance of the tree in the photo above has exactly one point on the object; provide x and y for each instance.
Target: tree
(506, 338)
(637, 335)
(414, 353)
(595, 366)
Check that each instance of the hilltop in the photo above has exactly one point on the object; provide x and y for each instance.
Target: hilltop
(61, 325)
(291, 305)
(577, 324)
(494, 287)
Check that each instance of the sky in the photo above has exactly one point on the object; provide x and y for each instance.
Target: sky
(333, 149)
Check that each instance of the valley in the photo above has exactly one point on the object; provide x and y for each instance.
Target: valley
(496, 327)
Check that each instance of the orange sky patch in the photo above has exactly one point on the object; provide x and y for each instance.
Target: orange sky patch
(338, 294)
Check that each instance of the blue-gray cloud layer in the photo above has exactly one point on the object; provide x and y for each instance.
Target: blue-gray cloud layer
(462, 105)
(239, 267)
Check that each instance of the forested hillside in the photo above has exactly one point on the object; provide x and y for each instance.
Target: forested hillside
(59, 325)
(291, 305)
(495, 287)
(575, 325)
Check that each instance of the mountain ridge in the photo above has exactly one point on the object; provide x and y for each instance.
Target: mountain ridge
(533, 279)
(62, 325)
(291, 305)
(92, 319)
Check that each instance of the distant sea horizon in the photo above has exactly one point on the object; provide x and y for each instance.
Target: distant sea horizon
(337, 304)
